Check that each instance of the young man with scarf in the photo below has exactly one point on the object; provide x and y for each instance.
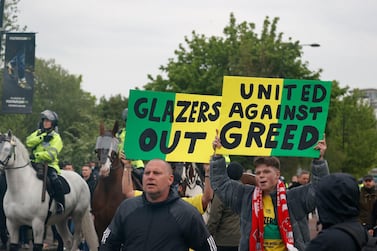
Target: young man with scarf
(271, 217)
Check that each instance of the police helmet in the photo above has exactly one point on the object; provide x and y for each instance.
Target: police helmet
(50, 115)
(124, 114)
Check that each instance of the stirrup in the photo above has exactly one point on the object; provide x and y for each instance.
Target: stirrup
(59, 208)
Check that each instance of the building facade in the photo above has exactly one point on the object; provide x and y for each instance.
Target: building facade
(371, 95)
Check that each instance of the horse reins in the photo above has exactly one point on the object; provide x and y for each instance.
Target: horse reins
(4, 163)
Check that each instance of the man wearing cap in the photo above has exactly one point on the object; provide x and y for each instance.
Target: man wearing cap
(368, 195)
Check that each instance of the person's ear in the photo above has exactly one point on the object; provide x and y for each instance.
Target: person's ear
(171, 179)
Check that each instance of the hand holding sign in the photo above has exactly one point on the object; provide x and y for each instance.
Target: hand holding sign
(216, 144)
(321, 146)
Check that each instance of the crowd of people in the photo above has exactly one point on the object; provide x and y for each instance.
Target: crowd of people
(265, 215)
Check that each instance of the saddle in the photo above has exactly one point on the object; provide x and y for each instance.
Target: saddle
(65, 186)
(39, 168)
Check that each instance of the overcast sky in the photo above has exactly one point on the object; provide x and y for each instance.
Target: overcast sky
(114, 44)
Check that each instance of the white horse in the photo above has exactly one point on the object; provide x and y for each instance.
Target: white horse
(23, 204)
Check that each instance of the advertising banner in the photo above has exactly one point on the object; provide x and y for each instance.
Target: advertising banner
(18, 73)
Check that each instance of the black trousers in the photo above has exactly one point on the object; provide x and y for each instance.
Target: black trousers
(56, 185)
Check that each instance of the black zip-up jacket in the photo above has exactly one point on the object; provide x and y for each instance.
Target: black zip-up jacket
(169, 225)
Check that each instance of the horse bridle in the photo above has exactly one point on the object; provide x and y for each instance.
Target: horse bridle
(109, 156)
(4, 162)
(112, 159)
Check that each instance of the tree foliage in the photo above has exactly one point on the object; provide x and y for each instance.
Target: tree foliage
(352, 130)
(111, 109)
(201, 63)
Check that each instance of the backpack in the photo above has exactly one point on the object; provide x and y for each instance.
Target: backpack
(370, 245)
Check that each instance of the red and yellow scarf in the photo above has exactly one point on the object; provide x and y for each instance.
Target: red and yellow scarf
(257, 221)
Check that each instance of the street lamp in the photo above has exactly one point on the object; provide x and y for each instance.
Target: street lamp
(312, 45)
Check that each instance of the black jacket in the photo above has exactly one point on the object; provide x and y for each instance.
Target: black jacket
(92, 182)
(169, 225)
(337, 203)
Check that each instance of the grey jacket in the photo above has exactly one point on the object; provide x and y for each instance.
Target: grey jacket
(238, 197)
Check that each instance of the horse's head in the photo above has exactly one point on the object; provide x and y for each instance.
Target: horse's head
(107, 149)
(7, 146)
(8, 143)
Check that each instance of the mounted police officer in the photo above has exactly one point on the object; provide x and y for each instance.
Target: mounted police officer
(45, 144)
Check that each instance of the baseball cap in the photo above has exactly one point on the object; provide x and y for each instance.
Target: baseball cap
(368, 177)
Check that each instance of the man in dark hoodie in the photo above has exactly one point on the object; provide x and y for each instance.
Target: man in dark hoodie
(157, 220)
(338, 207)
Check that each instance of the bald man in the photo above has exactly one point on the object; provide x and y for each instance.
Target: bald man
(157, 220)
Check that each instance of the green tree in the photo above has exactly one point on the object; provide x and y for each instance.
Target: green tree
(352, 131)
(111, 109)
(200, 64)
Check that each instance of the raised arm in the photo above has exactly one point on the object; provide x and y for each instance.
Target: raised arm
(127, 184)
(208, 192)
(319, 166)
(304, 196)
(321, 146)
(229, 191)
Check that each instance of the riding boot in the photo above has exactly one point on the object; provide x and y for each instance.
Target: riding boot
(59, 196)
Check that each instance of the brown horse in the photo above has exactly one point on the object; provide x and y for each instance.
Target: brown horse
(108, 193)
